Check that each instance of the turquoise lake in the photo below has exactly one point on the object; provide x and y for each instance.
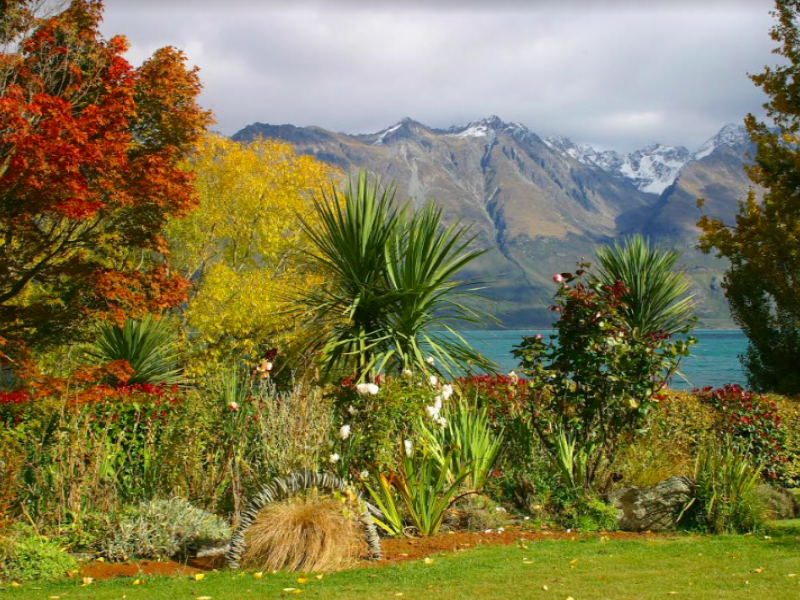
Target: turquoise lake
(714, 360)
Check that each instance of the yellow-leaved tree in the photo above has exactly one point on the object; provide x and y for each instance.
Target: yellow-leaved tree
(240, 248)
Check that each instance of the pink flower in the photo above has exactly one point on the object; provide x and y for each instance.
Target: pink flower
(558, 278)
(538, 336)
(233, 406)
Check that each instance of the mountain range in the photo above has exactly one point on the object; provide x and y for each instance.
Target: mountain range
(541, 204)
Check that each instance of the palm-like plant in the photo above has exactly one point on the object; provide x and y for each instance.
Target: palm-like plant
(389, 283)
(422, 262)
(657, 300)
(147, 345)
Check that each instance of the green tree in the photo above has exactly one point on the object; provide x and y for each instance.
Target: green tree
(391, 294)
(762, 283)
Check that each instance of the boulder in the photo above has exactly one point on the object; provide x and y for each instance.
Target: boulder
(780, 503)
(652, 508)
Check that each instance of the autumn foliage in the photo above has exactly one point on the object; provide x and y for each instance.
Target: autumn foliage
(90, 173)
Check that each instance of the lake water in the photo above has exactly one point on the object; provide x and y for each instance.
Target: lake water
(714, 360)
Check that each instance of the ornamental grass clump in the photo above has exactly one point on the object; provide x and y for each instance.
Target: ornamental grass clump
(304, 533)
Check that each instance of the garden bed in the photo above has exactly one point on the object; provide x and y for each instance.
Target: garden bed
(395, 550)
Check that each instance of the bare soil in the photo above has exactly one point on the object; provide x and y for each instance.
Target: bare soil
(394, 550)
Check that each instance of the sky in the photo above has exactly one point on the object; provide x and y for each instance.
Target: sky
(616, 74)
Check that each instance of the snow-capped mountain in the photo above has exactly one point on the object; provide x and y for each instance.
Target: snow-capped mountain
(733, 135)
(655, 167)
(539, 206)
(651, 169)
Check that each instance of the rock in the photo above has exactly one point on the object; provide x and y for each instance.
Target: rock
(780, 503)
(652, 508)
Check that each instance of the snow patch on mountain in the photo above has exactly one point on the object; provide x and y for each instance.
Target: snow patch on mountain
(731, 135)
(474, 131)
(651, 169)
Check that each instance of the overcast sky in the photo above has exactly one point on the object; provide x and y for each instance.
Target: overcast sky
(615, 74)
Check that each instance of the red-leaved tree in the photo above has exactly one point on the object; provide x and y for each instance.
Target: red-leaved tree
(90, 153)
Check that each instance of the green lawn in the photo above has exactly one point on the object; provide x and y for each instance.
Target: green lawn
(685, 567)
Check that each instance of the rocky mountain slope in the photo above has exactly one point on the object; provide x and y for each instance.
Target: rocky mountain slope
(542, 204)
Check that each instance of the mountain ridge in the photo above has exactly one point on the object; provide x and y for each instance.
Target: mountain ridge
(541, 204)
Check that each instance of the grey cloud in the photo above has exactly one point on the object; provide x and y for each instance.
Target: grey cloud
(615, 74)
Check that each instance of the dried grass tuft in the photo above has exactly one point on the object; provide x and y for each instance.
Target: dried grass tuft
(304, 534)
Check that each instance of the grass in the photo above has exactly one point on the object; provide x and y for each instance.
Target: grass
(700, 568)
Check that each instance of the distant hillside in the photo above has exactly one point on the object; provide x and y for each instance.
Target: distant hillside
(542, 204)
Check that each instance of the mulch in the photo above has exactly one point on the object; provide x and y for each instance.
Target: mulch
(395, 550)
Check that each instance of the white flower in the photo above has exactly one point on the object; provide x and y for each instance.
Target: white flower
(407, 373)
(441, 422)
(447, 391)
(364, 474)
(344, 432)
(409, 446)
(500, 529)
(367, 389)
(333, 458)
(437, 402)
(429, 360)
(433, 411)
(500, 509)
(268, 366)
(526, 519)
(513, 376)
(433, 380)
(488, 531)
(233, 405)
(351, 409)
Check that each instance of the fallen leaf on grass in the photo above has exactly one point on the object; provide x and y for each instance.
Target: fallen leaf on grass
(428, 561)
(87, 581)
(302, 580)
(319, 576)
(258, 575)
(198, 576)
(573, 563)
(545, 588)
(792, 575)
(759, 570)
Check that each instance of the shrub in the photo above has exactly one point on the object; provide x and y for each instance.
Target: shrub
(379, 421)
(310, 533)
(599, 379)
(725, 491)
(752, 423)
(163, 529)
(27, 556)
